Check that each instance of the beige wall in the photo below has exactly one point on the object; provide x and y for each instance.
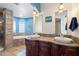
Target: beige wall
(75, 12)
(48, 9)
(37, 24)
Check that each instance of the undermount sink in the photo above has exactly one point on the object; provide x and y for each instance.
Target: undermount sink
(63, 39)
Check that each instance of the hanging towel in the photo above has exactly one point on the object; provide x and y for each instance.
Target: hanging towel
(73, 24)
(66, 26)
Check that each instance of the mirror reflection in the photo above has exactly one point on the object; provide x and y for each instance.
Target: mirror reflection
(61, 22)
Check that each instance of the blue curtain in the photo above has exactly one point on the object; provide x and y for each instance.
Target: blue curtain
(28, 24)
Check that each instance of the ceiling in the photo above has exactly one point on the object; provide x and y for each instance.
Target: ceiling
(23, 10)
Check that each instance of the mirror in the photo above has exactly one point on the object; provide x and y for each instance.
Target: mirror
(61, 22)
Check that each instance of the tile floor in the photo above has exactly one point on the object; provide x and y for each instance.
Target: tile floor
(15, 51)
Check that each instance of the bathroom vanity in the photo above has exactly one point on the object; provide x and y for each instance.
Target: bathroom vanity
(47, 46)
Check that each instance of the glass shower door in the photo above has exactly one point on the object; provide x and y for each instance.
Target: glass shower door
(2, 33)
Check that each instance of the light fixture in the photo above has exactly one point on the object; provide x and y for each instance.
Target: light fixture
(0, 22)
(37, 14)
(61, 7)
(34, 12)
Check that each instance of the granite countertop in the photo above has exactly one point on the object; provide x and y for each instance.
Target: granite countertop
(73, 44)
(46, 39)
(25, 36)
(51, 40)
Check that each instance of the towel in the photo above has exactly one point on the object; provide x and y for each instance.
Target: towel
(74, 24)
(66, 26)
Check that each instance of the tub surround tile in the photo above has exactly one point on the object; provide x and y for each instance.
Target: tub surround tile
(8, 41)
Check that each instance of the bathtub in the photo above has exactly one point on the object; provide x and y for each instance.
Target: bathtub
(20, 39)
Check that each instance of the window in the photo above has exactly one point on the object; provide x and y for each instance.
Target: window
(22, 26)
(14, 26)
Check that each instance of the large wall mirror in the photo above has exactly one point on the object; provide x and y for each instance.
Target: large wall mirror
(61, 19)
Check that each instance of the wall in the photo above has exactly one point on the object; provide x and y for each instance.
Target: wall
(23, 10)
(49, 9)
(46, 10)
(75, 13)
(38, 24)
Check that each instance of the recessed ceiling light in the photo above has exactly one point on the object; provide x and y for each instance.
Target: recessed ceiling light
(34, 12)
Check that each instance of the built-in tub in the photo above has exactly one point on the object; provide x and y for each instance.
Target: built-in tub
(20, 39)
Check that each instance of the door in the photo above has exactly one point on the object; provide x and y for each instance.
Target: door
(58, 26)
(44, 48)
(56, 50)
(31, 47)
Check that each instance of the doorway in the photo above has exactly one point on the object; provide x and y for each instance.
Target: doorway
(58, 26)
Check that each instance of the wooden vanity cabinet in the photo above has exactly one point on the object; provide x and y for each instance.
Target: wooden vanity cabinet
(56, 50)
(31, 47)
(70, 51)
(60, 50)
(44, 48)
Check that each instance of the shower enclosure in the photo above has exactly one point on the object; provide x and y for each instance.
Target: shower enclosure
(2, 29)
(6, 36)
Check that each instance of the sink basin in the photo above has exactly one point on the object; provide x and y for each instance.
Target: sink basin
(63, 40)
(35, 35)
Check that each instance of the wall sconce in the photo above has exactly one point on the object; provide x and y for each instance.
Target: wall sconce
(34, 12)
(60, 8)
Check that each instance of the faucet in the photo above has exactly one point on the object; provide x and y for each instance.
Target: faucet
(61, 35)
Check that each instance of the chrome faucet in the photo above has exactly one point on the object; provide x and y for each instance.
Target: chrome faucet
(61, 35)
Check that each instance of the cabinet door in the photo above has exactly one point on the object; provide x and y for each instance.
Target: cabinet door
(68, 51)
(35, 48)
(44, 48)
(56, 50)
(28, 48)
(31, 48)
